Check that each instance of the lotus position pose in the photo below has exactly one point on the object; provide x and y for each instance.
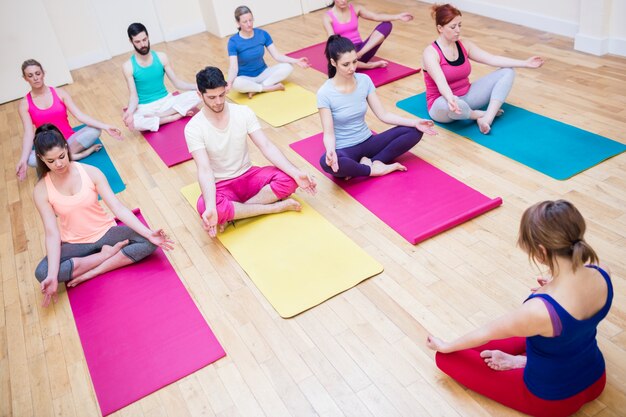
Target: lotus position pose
(82, 241)
(343, 19)
(351, 148)
(449, 94)
(49, 105)
(248, 72)
(149, 103)
(232, 188)
(541, 359)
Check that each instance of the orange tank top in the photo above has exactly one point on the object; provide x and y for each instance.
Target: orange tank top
(81, 217)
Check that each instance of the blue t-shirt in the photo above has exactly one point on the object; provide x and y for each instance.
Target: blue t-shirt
(348, 110)
(249, 52)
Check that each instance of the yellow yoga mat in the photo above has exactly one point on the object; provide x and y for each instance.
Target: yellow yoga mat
(296, 259)
(280, 107)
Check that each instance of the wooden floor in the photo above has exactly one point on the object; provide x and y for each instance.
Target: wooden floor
(361, 353)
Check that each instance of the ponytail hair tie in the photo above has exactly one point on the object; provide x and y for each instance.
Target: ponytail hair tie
(575, 242)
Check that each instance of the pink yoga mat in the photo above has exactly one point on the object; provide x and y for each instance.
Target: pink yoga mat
(140, 331)
(169, 142)
(379, 76)
(418, 203)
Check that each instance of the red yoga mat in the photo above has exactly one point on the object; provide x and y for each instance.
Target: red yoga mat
(140, 331)
(418, 203)
(379, 76)
(169, 142)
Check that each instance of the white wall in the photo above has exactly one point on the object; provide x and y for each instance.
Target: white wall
(26, 32)
(312, 5)
(597, 26)
(220, 20)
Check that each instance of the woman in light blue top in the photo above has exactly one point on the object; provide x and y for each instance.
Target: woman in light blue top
(351, 148)
(248, 72)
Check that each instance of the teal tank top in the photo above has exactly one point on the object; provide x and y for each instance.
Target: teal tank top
(149, 80)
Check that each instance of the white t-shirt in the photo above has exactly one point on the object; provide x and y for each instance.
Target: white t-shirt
(227, 148)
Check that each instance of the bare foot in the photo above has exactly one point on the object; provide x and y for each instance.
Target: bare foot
(287, 205)
(275, 87)
(366, 161)
(108, 252)
(379, 169)
(483, 126)
(192, 112)
(475, 114)
(92, 149)
(499, 113)
(374, 64)
(251, 94)
(500, 361)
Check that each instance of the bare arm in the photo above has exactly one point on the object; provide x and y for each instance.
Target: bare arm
(53, 242)
(206, 179)
(302, 62)
(133, 98)
(233, 69)
(381, 17)
(479, 55)
(433, 66)
(120, 211)
(328, 25)
(276, 157)
(178, 83)
(82, 117)
(27, 139)
(531, 319)
(394, 119)
(330, 142)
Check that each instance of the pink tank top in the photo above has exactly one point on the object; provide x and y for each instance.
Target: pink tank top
(456, 73)
(350, 29)
(81, 217)
(55, 114)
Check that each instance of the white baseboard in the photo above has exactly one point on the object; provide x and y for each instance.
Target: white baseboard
(80, 61)
(516, 16)
(184, 31)
(591, 44)
(617, 46)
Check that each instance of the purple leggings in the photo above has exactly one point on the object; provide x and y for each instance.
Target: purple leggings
(383, 147)
(385, 29)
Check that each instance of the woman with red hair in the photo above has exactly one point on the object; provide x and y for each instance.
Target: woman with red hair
(449, 94)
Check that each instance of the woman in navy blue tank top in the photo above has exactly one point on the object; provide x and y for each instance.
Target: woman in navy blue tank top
(543, 358)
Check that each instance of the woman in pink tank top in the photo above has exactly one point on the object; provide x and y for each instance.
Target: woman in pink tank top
(449, 94)
(82, 240)
(343, 19)
(48, 105)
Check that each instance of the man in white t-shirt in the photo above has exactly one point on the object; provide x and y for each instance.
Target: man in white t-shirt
(232, 188)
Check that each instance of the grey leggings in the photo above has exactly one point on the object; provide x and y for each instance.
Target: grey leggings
(495, 86)
(138, 248)
(86, 136)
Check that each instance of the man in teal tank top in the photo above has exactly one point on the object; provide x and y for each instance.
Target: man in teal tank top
(150, 105)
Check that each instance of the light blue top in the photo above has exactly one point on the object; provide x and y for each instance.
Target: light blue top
(149, 80)
(249, 52)
(348, 110)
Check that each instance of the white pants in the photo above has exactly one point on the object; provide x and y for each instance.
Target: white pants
(270, 76)
(145, 117)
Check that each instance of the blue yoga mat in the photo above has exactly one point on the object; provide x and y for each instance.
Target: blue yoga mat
(551, 147)
(102, 161)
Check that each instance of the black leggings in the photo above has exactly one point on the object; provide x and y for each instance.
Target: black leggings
(138, 248)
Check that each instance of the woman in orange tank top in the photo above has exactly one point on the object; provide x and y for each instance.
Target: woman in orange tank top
(82, 240)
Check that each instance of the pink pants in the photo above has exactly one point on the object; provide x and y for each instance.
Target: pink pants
(246, 186)
(508, 387)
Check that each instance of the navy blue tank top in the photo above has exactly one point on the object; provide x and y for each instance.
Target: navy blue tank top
(562, 366)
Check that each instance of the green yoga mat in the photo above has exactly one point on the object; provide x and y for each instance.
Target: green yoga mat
(551, 147)
(102, 161)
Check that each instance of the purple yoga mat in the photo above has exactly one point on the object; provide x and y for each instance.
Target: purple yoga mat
(169, 142)
(140, 331)
(379, 76)
(418, 203)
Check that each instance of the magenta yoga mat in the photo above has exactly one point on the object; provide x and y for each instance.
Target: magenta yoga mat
(379, 76)
(169, 142)
(140, 331)
(418, 203)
